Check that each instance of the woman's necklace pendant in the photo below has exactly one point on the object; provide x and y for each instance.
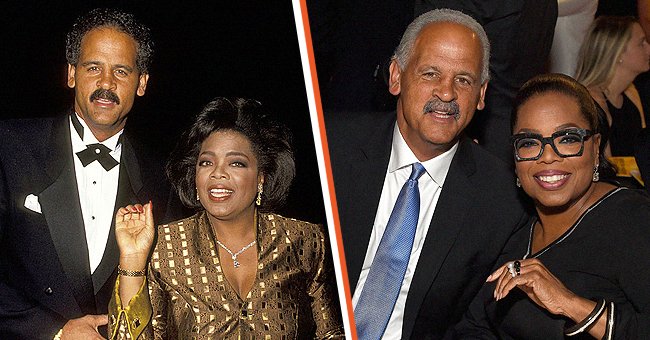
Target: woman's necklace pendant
(233, 256)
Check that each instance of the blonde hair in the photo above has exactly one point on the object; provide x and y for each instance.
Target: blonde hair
(602, 49)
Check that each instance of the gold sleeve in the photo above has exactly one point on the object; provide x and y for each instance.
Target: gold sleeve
(129, 322)
(322, 289)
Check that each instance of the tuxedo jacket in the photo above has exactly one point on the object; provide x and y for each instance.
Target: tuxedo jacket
(45, 277)
(478, 210)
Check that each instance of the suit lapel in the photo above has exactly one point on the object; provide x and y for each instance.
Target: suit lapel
(129, 184)
(444, 229)
(368, 172)
(61, 209)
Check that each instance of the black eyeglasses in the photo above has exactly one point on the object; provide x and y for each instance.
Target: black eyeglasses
(565, 143)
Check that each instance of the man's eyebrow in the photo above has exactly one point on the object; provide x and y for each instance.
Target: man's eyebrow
(469, 74)
(116, 66)
(126, 67)
(91, 62)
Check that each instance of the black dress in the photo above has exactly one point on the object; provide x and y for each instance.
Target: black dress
(605, 254)
(626, 125)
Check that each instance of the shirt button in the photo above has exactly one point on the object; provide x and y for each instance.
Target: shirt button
(48, 291)
(94, 182)
(97, 151)
(93, 217)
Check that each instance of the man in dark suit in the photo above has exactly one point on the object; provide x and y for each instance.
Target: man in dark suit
(61, 181)
(353, 40)
(469, 205)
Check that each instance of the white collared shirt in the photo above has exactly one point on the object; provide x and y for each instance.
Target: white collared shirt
(430, 186)
(97, 191)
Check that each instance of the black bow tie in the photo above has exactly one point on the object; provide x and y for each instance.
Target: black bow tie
(97, 152)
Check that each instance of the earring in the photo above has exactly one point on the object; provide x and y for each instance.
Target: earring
(518, 183)
(260, 188)
(620, 61)
(197, 193)
(596, 175)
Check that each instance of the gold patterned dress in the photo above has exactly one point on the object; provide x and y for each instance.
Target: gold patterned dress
(294, 295)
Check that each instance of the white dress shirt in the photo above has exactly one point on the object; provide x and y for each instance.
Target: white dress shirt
(430, 185)
(97, 191)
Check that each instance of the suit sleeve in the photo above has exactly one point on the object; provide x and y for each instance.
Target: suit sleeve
(475, 324)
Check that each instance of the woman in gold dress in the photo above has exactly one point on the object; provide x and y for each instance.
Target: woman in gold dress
(234, 270)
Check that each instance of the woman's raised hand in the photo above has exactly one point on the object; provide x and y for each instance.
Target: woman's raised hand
(134, 230)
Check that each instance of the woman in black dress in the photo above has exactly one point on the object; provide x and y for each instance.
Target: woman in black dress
(614, 53)
(582, 268)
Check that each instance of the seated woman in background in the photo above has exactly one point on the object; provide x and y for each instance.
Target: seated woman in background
(235, 270)
(583, 266)
(613, 54)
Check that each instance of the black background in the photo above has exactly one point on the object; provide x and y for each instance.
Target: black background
(203, 49)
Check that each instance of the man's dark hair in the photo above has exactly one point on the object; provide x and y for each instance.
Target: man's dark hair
(270, 141)
(110, 18)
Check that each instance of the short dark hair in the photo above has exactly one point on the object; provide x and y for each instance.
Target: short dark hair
(560, 83)
(270, 141)
(110, 18)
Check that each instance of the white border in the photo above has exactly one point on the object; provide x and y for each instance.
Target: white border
(306, 70)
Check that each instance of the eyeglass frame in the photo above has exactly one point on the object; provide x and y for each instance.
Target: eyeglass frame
(583, 133)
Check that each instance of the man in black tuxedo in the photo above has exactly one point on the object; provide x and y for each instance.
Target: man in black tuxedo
(61, 181)
(469, 205)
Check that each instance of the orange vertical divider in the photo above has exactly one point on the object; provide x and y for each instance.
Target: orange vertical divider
(328, 167)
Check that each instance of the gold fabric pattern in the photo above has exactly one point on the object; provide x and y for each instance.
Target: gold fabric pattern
(294, 295)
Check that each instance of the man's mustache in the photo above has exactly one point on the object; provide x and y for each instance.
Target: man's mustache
(105, 94)
(438, 105)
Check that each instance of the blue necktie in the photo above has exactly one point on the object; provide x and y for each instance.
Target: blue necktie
(386, 273)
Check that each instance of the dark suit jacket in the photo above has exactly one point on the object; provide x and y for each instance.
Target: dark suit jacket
(478, 209)
(45, 275)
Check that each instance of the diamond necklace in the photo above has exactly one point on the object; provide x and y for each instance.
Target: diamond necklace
(234, 255)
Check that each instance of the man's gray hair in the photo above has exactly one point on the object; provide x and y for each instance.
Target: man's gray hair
(405, 48)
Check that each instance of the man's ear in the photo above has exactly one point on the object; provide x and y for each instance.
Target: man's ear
(71, 72)
(481, 100)
(394, 86)
(142, 84)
